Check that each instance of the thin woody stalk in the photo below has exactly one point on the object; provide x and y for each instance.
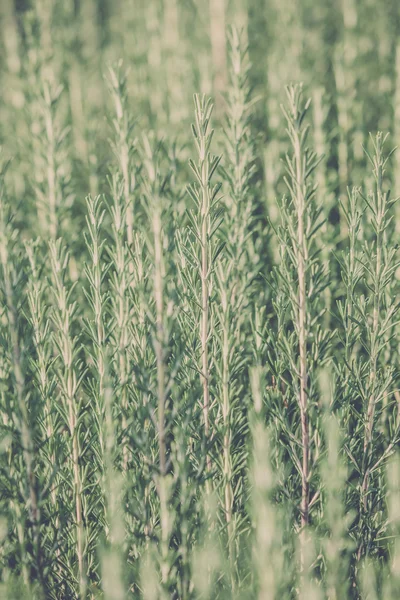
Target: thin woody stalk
(380, 215)
(233, 273)
(97, 301)
(159, 300)
(304, 280)
(69, 380)
(28, 451)
(302, 310)
(205, 198)
(123, 147)
(228, 495)
(161, 391)
(302, 316)
(43, 380)
(225, 319)
(379, 265)
(205, 301)
(120, 304)
(351, 272)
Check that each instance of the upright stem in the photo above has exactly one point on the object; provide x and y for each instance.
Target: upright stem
(78, 495)
(20, 386)
(234, 272)
(69, 383)
(298, 216)
(380, 212)
(129, 209)
(98, 303)
(120, 307)
(204, 196)
(302, 315)
(353, 218)
(378, 265)
(205, 375)
(375, 326)
(161, 390)
(204, 299)
(38, 314)
(227, 464)
(158, 216)
(159, 299)
(26, 438)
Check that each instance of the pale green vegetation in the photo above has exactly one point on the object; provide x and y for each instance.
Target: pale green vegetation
(199, 328)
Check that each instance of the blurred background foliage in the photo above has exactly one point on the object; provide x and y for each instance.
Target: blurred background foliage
(346, 52)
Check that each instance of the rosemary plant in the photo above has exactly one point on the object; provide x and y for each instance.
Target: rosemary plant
(297, 284)
(203, 251)
(199, 383)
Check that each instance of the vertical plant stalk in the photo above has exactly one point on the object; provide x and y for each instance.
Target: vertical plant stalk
(234, 272)
(300, 190)
(23, 424)
(161, 391)
(353, 228)
(52, 166)
(95, 272)
(159, 300)
(69, 380)
(305, 278)
(205, 301)
(37, 310)
(38, 317)
(111, 484)
(227, 321)
(123, 147)
(228, 495)
(380, 205)
(351, 269)
(96, 298)
(204, 196)
(120, 304)
(302, 316)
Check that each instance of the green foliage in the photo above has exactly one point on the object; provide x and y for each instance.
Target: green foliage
(199, 332)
